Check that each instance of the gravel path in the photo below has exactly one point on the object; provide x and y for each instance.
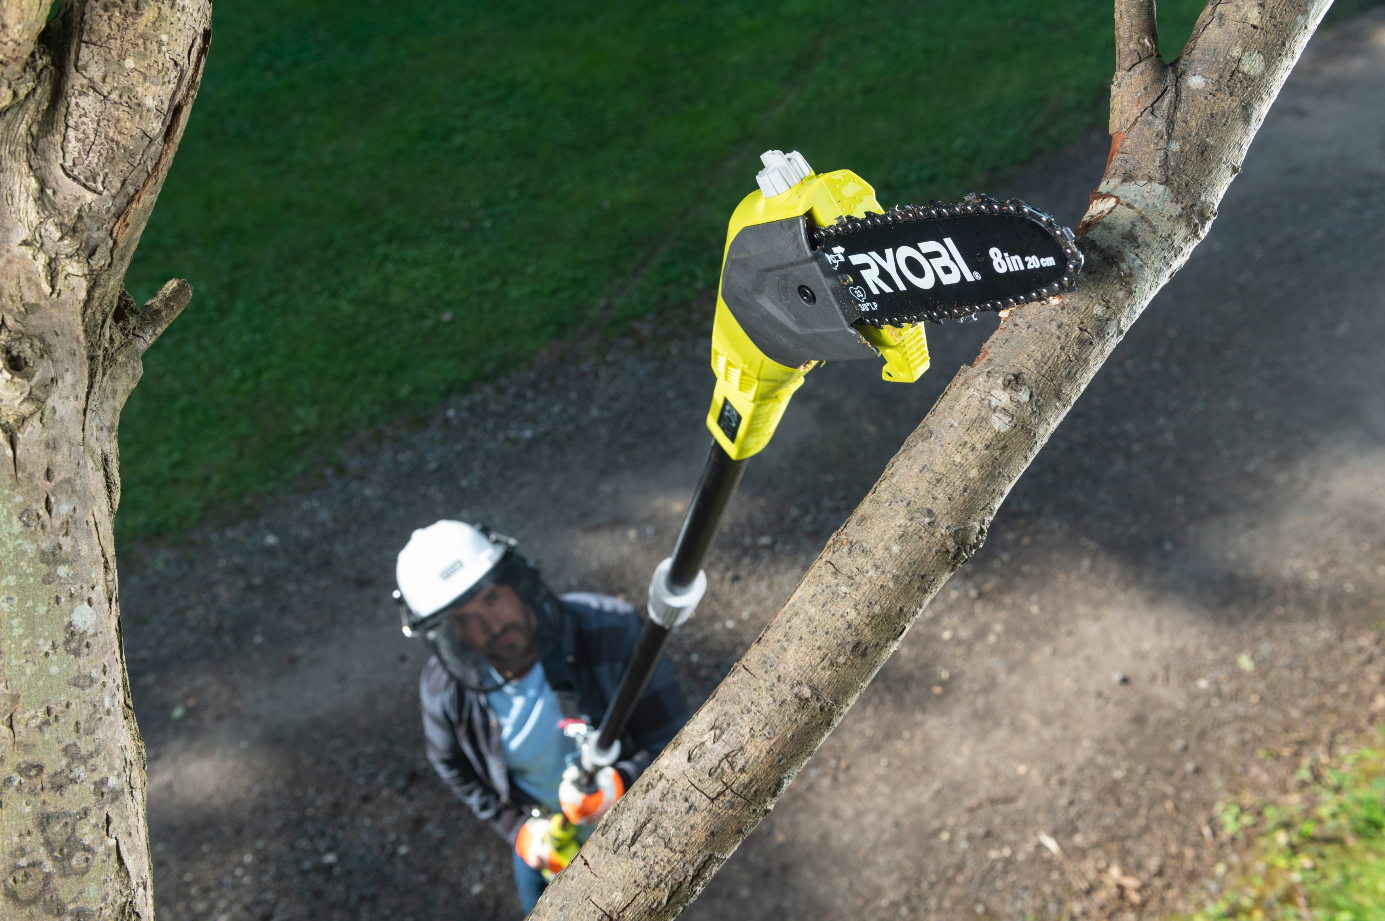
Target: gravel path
(1182, 599)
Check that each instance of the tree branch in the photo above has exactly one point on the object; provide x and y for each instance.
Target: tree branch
(1142, 78)
(933, 505)
(1137, 35)
(159, 311)
(133, 331)
(91, 113)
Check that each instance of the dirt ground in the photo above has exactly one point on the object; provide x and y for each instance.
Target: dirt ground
(1180, 602)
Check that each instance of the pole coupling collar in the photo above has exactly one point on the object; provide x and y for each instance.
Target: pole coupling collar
(668, 608)
(595, 758)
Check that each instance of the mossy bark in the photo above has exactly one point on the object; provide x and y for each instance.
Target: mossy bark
(1179, 135)
(92, 106)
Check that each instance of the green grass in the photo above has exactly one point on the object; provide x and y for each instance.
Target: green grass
(355, 170)
(1322, 856)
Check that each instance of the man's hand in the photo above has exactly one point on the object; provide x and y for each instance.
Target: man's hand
(587, 806)
(547, 845)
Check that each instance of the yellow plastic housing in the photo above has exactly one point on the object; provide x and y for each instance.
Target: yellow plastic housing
(758, 388)
(904, 348)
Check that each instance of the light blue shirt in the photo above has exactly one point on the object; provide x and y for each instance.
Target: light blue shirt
(535, 747)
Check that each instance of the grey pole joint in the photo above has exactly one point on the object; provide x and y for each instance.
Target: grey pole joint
(667, 607)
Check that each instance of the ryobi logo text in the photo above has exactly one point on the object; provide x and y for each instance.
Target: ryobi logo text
(924, 266)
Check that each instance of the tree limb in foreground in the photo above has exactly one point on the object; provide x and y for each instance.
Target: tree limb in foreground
(92, 107)
(1179, 135)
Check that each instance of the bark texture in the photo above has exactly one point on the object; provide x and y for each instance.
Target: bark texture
(1179, 135)
(92, 106)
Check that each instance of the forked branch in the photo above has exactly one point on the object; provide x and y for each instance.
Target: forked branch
(1183, 132)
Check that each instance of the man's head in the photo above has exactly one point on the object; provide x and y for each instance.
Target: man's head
(482, 608)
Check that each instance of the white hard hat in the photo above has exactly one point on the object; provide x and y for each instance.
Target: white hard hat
(446, 565)
(442, 562)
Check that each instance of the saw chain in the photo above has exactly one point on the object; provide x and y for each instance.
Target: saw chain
(946, 261)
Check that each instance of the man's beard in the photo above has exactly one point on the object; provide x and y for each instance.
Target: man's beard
(504, 655)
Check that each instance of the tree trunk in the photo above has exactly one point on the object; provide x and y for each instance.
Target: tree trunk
(92, 106)
(1179, 135)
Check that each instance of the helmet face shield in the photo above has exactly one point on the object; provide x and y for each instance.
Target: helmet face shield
(498, 628)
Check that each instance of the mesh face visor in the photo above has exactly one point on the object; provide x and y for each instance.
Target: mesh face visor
(443, 632)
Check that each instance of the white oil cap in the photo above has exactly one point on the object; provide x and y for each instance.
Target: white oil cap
(781, 172)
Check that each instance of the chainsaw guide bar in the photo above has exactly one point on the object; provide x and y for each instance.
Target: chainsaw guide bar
(804, 293)
(946, 262)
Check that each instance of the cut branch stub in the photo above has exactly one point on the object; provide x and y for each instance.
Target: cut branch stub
(159, 311)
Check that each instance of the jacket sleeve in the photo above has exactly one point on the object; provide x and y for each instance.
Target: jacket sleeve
(441, 705)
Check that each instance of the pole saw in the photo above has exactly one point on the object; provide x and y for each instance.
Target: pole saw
(815, 270)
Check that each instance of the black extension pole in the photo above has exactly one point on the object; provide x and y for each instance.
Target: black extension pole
(720, 475)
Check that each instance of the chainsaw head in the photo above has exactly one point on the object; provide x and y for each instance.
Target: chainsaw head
(815, 270)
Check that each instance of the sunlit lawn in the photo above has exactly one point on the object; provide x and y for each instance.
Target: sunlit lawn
(379, 204)
(1319, 854)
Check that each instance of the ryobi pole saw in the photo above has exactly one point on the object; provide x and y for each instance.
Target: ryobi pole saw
(815, 270)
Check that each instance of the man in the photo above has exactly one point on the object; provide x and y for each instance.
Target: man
(512, 667)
